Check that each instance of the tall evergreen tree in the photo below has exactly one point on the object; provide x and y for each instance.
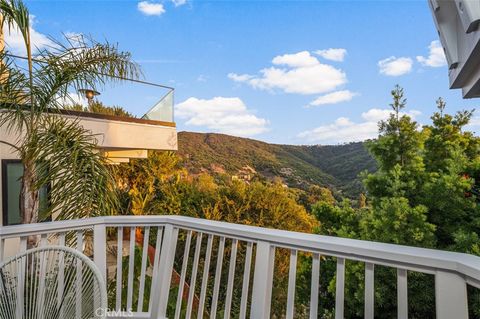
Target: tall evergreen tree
(451, 156)
(398, 152)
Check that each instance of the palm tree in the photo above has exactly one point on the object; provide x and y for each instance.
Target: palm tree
(54, 150)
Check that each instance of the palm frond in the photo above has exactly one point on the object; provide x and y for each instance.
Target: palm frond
(16, 16)
(80, 183)
(79, 63)
(14, 96)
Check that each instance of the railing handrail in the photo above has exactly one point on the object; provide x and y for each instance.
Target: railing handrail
(399, 256)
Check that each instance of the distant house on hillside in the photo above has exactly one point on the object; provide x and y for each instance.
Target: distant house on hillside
(246, 174)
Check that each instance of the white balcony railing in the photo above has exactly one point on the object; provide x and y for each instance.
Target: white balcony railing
(175, 266)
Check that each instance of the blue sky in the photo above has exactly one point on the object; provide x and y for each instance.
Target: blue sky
(263, 69)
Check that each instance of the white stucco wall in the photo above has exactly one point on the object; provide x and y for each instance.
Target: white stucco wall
(130, 138)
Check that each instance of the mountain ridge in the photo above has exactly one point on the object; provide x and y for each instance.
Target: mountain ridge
(334, 166)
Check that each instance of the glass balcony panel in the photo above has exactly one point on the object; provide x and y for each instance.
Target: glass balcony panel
(162, 110)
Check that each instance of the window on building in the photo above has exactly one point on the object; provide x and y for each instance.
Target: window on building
(12, 172)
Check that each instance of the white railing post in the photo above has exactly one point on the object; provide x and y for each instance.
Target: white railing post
(100, 249)
(369, 308)
(2, 245)
(402, 294)
(450, 296)
(262, 281)
(340, 289)
(164, 272)
(99, 253)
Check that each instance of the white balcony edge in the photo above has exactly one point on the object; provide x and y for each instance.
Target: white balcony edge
(406, 257)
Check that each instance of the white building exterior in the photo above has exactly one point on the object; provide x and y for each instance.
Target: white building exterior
(457, 22)
(119, 138)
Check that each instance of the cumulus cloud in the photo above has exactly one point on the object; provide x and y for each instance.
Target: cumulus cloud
(343, 130)
(296, 60)
(150, 8)
(333, 98)
(202, 78)
(337, 55)
(221, 114)
(340, 131)
(239, 77)
(475, 121)
(299, 73)
(75, 38)
(376, 115)
(473, 125)
(178, 3)
(436, 56)
(393, 66)
(15, 43)
(71, 99)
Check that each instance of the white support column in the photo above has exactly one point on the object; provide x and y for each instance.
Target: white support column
(262, 281)
(164, 273)
(450, 296)
(100, 249)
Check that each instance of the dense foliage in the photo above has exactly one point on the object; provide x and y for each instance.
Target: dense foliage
(424, 193)
(162, 185)
(159, 185)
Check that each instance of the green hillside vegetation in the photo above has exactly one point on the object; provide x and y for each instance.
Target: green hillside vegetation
(335, 166)
(423, 193)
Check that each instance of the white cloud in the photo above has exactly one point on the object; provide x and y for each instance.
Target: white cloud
(393, 66)
(151, 8)
(75, 38)
(376, 115)
(202, 78)
(72, 98)
(299, 73)
(239, 77)
(473, 125)
(436, 56)
(475, 121)
(332, 54)
(15, 43)
(178, 3)
(343, 130)
(333, 98)
(296, 60)
(221, 114)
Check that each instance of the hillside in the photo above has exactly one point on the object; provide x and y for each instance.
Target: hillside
(333, 166)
